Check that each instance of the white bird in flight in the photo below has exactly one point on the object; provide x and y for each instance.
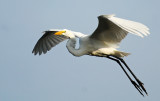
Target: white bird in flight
(103, 42)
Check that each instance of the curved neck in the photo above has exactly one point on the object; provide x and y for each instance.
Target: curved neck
(71, 43)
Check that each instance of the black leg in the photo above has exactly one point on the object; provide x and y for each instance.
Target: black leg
(139, 82)
(133, 82)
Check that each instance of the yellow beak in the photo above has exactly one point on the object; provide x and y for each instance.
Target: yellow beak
(59, 32)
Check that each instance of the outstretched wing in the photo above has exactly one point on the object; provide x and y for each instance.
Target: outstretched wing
(112, 29)
(47, 41)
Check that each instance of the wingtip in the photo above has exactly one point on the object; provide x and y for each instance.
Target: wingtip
(34, 53)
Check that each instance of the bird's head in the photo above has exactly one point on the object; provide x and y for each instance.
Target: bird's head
(65, 32)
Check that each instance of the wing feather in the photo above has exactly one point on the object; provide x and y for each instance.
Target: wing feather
(47, 41)
(50, 43)
(53, 42)
(47, 44)
(131, 26)
(112, 29)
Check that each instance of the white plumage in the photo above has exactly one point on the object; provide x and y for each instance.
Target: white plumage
(103, 42)
(131, 26)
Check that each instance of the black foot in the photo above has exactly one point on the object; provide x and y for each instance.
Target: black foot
(137, 87)
(142, 86)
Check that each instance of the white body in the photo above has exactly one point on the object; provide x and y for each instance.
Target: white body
(89, 46)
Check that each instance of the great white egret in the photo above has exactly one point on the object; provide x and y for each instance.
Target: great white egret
(102, 43)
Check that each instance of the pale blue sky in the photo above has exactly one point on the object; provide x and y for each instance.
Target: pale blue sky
(59, 76)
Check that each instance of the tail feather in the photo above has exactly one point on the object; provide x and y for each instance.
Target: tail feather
(121, 54)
